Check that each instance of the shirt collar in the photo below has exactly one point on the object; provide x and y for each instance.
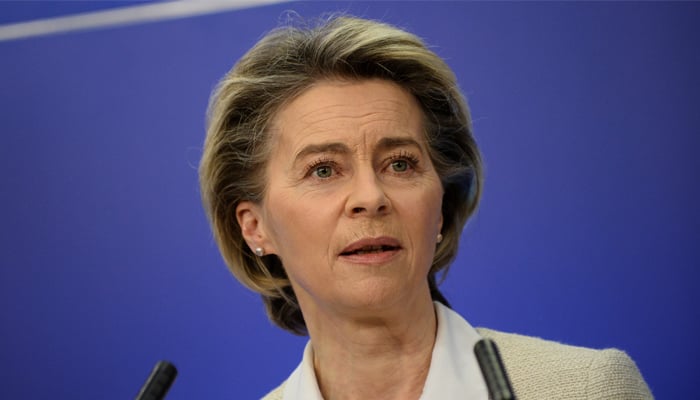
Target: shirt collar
(453, 366)
(454, 370)
(301, 384)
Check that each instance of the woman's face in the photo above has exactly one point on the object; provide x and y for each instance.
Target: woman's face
(353, 203)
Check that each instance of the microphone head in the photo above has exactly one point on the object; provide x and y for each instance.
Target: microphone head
(493, 370)
(158, 382)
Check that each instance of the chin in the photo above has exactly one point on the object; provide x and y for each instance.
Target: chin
(373, 297)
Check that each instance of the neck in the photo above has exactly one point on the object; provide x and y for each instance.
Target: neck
(387, 354)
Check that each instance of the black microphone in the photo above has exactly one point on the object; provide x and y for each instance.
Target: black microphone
(493, 371)
(158, 383)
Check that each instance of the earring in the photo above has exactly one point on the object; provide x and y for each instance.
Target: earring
(439, 237)
(259, 251)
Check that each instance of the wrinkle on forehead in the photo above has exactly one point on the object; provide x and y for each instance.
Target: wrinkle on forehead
(380, 115)
(358, 112)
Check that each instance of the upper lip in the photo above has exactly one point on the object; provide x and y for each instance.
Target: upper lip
(384, 241)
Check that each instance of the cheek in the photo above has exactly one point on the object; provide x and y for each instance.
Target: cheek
(297, 226)
(431, 202)
(431, 218)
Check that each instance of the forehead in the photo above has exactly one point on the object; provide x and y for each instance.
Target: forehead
(350, 110)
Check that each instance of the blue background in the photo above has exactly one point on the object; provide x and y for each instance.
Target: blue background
(588, 233)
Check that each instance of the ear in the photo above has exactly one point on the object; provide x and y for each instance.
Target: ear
(249, 216)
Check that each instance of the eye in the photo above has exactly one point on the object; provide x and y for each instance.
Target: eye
(323, 168)
(323, 171)
(399, 165)
(402, 163)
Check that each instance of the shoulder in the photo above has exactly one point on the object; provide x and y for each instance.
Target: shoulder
(544, 369)
(275, 394)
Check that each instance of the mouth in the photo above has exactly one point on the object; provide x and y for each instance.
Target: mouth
(371, 247)
(369, 250)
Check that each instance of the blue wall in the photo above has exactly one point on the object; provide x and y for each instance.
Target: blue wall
(588, 233)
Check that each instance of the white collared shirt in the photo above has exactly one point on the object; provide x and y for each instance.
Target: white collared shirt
(454, 372)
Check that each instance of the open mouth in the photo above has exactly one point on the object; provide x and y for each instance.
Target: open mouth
(370, 250)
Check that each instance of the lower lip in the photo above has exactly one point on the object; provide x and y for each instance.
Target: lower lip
(381, 257)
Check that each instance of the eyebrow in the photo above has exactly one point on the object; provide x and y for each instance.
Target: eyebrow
(385, 143)
(334, 147)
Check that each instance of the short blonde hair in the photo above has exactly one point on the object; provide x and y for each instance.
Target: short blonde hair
(281, 66)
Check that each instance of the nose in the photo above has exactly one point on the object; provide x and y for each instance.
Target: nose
(367, 196)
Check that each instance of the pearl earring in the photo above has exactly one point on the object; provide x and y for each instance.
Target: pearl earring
(259, 251)
(439, 237)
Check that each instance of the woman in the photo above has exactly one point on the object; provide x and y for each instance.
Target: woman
(338, 172)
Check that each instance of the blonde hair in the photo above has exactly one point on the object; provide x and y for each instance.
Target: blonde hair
(278, 68)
